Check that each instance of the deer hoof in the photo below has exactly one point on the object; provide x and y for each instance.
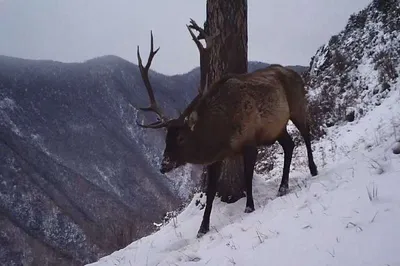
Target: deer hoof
(282, 191)
(313, 170)
(248, 209)
(202, 232)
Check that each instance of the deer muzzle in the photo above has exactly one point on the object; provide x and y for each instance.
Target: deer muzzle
(167, 165)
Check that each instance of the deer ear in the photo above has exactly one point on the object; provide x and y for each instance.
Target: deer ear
(191, 120)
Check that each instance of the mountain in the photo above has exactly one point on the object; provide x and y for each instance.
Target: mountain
(349, 75)
(348, 213)
(340, 72)
(78, 178)
(75, 180)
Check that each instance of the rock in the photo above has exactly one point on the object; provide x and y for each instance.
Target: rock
(385, 86)
(350, 115)
(330, 124)
(396, 148)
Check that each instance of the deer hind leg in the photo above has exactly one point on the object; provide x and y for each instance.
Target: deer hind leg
(212, 179)
(304, 129)
(288, 145)
(249, 157)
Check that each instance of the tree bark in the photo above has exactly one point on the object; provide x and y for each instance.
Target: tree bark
(227, 21)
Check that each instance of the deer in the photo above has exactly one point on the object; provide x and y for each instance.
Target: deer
(233, 116)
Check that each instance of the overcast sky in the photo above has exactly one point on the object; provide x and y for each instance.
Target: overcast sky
(286, 31)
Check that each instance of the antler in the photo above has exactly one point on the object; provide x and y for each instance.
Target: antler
(144, 71)
(204, 52)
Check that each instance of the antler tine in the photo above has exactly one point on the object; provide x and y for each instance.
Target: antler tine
(203, 51)
(152, 52)
(196, 40)
(196, 100)
(202, 34)
(144, 71)
(158, 124)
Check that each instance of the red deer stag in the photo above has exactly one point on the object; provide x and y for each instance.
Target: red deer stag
(237, 114)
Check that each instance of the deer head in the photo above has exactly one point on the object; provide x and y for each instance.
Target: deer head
(180, 129)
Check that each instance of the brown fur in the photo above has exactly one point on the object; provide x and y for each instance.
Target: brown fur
(246, 109)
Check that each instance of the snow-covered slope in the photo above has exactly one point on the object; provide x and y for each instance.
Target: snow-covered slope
(340, 81)
(347, 215)
(351, 74)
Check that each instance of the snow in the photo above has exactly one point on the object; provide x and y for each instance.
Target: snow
(346, 215)
(8, 104)
(107, 174)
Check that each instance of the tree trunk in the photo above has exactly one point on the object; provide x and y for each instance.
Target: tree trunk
(227, 20)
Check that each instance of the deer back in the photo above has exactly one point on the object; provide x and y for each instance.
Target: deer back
(293, 84)
(238, 110)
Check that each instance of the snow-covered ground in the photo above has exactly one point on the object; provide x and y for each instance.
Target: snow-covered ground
(349, 214)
